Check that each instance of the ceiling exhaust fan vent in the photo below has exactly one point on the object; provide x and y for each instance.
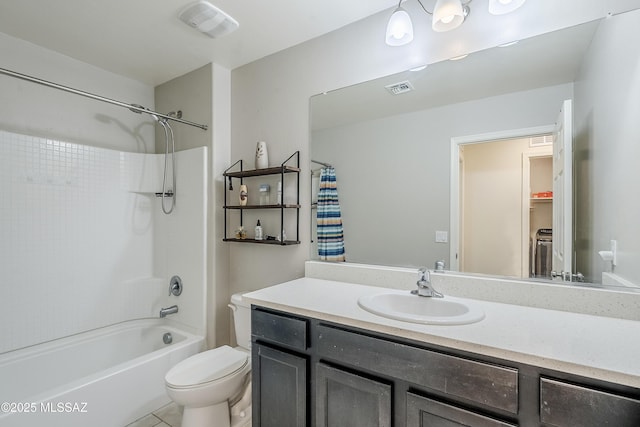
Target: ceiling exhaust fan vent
(208, 19)
(398, 88)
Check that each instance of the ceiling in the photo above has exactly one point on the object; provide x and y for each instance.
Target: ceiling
(549, 59)
(145, 40)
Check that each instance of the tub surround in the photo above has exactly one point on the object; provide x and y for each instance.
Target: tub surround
(576, 343)
(85, 242)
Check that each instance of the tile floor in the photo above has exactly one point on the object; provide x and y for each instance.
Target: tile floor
(167, 416)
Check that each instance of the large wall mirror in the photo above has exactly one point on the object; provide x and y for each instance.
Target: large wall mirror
(393, 156)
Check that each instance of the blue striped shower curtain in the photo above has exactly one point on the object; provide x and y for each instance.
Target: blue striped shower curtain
(330, 233)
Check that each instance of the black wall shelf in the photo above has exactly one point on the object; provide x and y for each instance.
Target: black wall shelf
(281, 170)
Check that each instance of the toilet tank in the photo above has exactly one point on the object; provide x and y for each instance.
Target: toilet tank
(241, 320)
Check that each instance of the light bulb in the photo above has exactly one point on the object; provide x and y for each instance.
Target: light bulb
(447, 19)
(398, 34)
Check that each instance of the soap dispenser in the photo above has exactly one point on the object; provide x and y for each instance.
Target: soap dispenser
(258, 231)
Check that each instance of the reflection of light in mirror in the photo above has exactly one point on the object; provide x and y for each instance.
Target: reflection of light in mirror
(500, 7)
(509, 44)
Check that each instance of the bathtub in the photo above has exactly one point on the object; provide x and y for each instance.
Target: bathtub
(106, 377)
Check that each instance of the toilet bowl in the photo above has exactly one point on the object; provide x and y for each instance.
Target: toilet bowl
(206, 382)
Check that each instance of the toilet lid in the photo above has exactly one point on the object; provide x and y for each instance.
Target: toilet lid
(207, 366)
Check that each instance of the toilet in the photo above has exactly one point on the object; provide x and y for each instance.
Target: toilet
(215, 386)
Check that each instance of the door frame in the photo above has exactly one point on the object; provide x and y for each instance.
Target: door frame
(527, 156)
(454, 180)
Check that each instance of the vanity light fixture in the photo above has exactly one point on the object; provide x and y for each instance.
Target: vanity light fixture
(447, 15)
(399, 28)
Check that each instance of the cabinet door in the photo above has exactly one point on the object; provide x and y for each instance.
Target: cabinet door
(279, 388)
(424, 412)
(344, 399)
(566, 405)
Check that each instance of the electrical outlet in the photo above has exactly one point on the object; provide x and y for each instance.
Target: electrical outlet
(442, 237)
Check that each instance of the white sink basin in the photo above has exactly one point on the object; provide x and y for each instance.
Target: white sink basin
(427, 310)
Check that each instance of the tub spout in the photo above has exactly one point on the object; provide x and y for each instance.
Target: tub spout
(169, 310)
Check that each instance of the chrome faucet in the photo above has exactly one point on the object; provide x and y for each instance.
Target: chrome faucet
(169, 310)
(424, 285)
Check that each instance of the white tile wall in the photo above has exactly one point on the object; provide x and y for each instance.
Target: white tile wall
(76, 238)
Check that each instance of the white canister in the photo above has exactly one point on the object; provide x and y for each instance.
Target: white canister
(262, 156)
(243, 195)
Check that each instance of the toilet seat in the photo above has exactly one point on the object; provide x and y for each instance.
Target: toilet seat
(206, 367)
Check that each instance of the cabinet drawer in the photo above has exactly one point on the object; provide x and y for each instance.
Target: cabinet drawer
(279, 329)
(483, 383)
(563, 404)
(422, 411)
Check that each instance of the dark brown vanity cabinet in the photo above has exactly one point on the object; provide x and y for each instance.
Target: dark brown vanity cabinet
(308, 372)
(566, 404)
(279, 388)
(423, 412)
(280, 370)
(345, 399)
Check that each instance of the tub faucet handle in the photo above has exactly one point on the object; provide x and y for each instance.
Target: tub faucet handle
(175, 286)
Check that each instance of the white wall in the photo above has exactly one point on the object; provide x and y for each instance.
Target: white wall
(37, 110)
(219, 289)
(395, 171)
(203, 97)
(607, 147)
(271, 103)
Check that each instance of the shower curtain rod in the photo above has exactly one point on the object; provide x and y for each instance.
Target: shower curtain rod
(132, 107)
(326, 165)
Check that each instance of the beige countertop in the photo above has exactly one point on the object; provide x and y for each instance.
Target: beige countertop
(598, 347)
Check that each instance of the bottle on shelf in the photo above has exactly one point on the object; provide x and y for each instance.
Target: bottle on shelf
(279, 192)
(264, 194)
(259, 235)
